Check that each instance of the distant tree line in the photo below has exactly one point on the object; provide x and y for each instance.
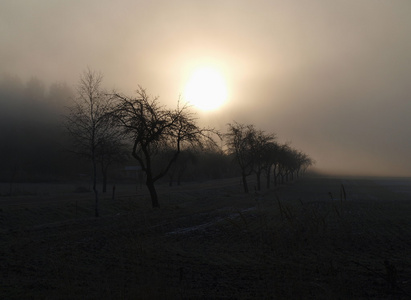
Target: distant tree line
(257, 152)
(48, 134)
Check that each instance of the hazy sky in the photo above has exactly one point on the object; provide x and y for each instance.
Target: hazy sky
(332, 77)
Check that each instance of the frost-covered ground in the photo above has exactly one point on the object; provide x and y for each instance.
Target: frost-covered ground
(303, 240)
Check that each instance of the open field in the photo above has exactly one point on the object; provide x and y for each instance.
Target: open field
(318, 238)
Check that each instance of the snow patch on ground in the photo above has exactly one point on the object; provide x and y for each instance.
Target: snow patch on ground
(203, 226)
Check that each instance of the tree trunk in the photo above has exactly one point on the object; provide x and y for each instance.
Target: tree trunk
(105, 181)
(114, 193)
(153, 192)
(104, 172)
(268, 177)
(245, 185)
(258, 174)
(95, 186)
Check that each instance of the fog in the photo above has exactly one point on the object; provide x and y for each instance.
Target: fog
(331, 77)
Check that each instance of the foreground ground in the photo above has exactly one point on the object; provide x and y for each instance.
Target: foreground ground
(318, 238)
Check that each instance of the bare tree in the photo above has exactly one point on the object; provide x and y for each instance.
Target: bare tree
(261, 147)
(240, 139)
(151, 128)
(257, 151)
(253, 149)
(270, 158)
(285, 162)
(291, 162)
(304, 161)
(89, 124)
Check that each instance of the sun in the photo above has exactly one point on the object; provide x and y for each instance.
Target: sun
(206, 89)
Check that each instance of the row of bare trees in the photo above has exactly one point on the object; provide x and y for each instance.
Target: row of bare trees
(257, 152)
(106, 127)
(102, 124)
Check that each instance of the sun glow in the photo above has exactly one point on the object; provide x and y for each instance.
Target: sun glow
(206, 89)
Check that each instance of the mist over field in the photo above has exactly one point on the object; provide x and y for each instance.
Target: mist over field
(205, 149)
(331, 77)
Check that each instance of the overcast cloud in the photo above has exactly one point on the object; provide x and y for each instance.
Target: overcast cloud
(332, 77)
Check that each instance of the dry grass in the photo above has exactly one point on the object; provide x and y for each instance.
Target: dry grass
(210, 241)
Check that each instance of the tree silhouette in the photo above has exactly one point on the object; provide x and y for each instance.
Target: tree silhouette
(256, 151)
(152, 128)
(89, 123)
(291, 162)
(261, 147)
(304, 161)
(270, 159)
(240, 140)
